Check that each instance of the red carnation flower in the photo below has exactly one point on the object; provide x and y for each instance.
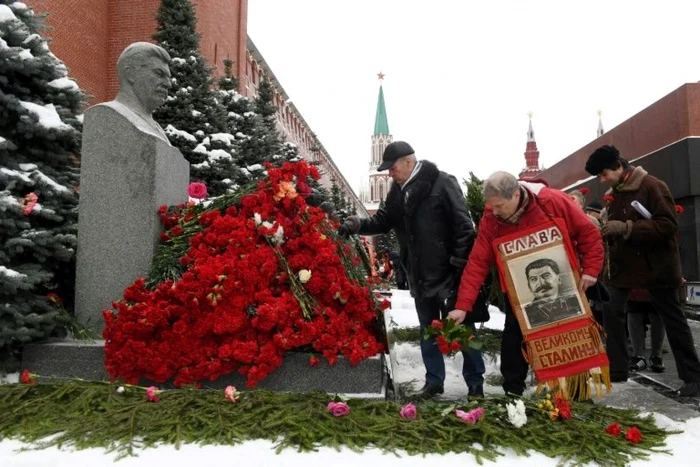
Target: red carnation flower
(27, 377)
(443, 345)
(564, 408)
(613, 429)
(633, 435)
(55, 299)
(679, 209)
(584, 191)
(608, 198)
(437, 324)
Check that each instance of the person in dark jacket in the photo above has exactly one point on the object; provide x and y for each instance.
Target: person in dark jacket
(643, 254)
(427, 211)
(399, 269)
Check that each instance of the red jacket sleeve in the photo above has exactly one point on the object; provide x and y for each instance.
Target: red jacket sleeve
(588, 242)
(478, 266)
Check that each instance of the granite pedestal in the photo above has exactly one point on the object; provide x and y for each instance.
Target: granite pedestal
(65, 359)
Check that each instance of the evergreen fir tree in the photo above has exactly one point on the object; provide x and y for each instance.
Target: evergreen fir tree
(264, 143)
(474, 197)
(241, 121)
(475, 200)
(387, 242)
(191, 113)
(340, 203)
(228, 82)
(39, 159)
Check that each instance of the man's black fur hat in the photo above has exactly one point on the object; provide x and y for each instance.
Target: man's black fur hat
(605, 157)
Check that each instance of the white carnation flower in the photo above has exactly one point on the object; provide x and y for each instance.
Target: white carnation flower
(258, 219)
(304, 276)
(278, 237)
(516, 413)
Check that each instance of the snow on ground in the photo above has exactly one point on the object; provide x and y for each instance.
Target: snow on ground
(261, 453)
(409, 365)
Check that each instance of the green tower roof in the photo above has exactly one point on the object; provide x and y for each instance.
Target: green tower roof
(381, 124)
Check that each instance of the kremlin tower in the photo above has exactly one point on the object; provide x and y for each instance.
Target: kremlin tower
(379, 182)
(532, 155)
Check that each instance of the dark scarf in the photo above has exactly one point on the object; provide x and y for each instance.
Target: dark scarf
(418, 188)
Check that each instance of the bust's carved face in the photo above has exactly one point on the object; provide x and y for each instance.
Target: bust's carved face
(150, 83)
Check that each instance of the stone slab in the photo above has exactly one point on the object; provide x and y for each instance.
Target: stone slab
(74, 359)
(366, 379)
(66, 359)
(125, 176)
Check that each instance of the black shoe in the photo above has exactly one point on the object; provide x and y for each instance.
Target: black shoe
(638, 364)
(428, 392)
(657, 364)
(689, 390)
(476, 391)
(618, 378)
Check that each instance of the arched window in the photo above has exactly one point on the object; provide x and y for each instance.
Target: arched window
(371, 191)
(381, 190)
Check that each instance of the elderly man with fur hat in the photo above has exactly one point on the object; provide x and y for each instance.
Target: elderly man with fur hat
(643, 254)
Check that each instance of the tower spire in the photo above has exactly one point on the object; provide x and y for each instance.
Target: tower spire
(600, 124)
(530, 131)
(379, 182)
(532, 154)
(381, 124)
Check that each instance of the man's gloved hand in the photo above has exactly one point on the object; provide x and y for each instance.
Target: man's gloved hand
(615, 228)
(350, 227)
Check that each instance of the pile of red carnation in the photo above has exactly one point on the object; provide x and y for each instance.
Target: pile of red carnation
(262, 278)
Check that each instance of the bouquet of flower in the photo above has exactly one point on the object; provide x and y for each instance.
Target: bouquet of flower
(240, 284)
(452, 337)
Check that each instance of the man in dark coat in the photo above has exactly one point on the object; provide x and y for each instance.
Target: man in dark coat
(643, 254)
(427, 210)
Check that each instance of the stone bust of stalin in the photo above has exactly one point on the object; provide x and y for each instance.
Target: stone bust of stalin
(144, 80)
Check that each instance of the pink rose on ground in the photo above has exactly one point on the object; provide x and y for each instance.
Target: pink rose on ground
(231, 393)
(472, 416)
(152, 394)
(197, 190)
(338, 409)
(409, 411)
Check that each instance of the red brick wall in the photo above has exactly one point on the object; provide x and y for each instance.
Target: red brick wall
(79, 37)
(669, 119)
(129, 21)
(222, 25)
(89, 35)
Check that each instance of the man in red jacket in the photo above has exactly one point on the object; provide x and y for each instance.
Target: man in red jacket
(512, 206)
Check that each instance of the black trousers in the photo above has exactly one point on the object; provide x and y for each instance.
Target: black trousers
(680, 338)
(514, 367)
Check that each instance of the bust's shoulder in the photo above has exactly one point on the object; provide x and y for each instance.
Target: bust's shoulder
(111, 107)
